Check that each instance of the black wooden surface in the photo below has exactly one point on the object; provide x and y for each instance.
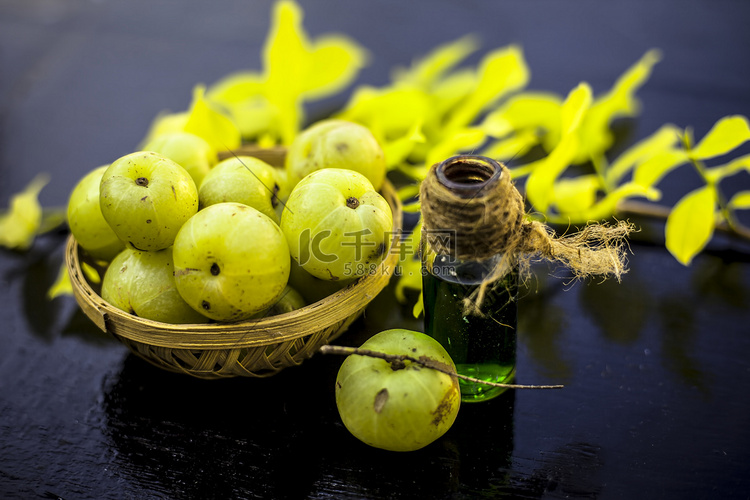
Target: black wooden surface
(655, 369)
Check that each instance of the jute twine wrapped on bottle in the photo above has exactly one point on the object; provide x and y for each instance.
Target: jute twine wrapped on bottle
(480, 223)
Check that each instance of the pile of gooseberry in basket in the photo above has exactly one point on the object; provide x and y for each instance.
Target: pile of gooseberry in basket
(189, 239)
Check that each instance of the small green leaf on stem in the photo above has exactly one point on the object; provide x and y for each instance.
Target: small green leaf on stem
(429, 70)
(620, 101)
(296, 67)
(575, 107)
(21, 223)
(513, 146)
(651, 171)
(502, 71)
(62, 285)
(727, 134)
(212, 124)
(605, 207)
(715, 174)
(664, 139)
(456, 142)
(418, 308)
(540, 184)
(739, 201)
(690, 225)
(526, 110)
(576, 194)
(398, 150)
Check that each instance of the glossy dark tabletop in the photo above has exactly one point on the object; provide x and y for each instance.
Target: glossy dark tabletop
(655, 368)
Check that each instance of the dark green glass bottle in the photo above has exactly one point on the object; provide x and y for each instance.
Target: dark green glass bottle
(482, 344)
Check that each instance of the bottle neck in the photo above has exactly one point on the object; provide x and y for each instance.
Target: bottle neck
(469, 176)
(464, 207)
(465, 271)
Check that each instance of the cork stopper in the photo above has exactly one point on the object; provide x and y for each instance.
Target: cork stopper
(470, 208)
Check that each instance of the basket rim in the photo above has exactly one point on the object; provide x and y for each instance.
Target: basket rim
(328, 311)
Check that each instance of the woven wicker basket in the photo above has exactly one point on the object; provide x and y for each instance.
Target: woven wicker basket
(257, 348)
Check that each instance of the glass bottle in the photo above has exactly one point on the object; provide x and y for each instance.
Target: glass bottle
(482, 344)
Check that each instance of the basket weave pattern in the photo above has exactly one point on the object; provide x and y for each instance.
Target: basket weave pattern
(255, 348)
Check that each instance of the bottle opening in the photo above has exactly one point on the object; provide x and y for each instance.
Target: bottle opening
(467, 175)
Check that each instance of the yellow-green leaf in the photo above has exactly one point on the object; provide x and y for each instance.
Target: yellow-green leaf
(651, 171)
(430, 69)
(740, 201)
(514, 146)
(256, 117)
(726, 134)
(286, 60)
(539, 186)
(715, 174)
(19, 225)
(522, 171)
(458, 142)
(241, 94)
(236, 88)
(398, 150)
(620, 101)
(295, 68)
(606, 207)
(62, 285)
(390, 112)
(452, 90)
(92, 275)
(544, 172)
(52, 218)
(526, 110)
(501, 71)
(576, 194)
(410, 277)
(690, 224)
(286, 51)
(408, 192)
(415, 172)
(207, 121)
(411, 208)
(660, 141)
(335, 61)
(418, 308)
(575, 107)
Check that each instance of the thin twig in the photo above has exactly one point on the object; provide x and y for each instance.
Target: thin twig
(397, 362)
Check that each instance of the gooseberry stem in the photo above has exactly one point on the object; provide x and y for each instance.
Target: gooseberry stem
(397, 362)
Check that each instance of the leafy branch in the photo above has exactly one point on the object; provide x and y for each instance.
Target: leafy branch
(691, 223)
(437, 107)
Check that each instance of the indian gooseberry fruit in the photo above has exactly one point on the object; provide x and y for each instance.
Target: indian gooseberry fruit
(190, 151)
(241, 179)
(337, 225)
(337, 144)
(146, 198)
(231, 262)
(398, 406)
(143, 284)
(86, 222)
